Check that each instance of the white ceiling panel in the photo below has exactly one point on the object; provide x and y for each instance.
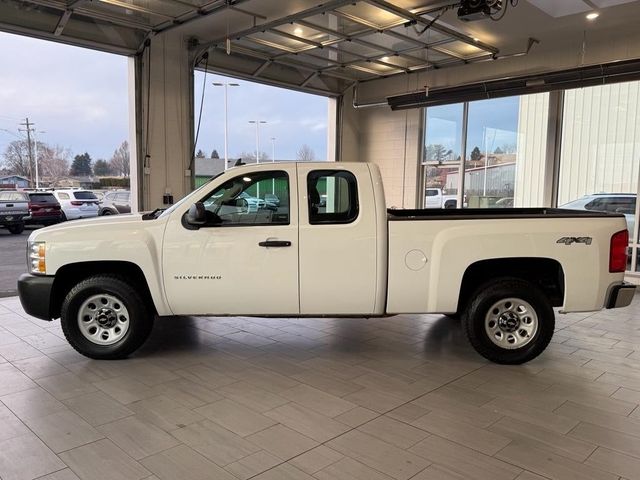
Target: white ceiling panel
(561, 8)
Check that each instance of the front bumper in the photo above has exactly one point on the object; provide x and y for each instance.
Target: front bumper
(35, 295)
(621, 295)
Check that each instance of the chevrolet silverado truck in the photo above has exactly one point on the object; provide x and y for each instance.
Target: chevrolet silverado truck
(14, 210)
(329, 248)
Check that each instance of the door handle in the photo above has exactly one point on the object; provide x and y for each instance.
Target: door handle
(275, 243)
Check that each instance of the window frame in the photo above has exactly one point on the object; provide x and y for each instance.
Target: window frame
(354, 198)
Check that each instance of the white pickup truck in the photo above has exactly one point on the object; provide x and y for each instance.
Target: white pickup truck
(328, 248)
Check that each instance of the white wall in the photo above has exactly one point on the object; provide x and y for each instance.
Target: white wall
(531, 152)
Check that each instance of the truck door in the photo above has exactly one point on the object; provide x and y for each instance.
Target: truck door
(244, 261)
(337, 240)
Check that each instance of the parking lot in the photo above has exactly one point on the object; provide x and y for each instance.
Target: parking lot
(12, 260)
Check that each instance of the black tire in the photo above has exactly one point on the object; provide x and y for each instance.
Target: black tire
(16, 229)
(485, 297)
(106, 212)
(63, 217)
(140, 317)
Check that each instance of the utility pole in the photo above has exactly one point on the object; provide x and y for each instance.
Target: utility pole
(28, 129)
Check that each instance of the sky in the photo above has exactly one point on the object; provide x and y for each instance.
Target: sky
(293, 118)
(79, 98)
(492, 124)
(76, 95)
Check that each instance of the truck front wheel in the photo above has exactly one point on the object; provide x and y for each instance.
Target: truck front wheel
(104, 317)
(509, 321)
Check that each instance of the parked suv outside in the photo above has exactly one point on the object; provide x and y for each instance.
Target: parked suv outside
(116, 202)
(44, 209)
(77, 203)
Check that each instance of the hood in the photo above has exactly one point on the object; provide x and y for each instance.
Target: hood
(103, 224)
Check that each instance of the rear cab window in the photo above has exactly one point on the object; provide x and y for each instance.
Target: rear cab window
(332, 197)
(84, 196)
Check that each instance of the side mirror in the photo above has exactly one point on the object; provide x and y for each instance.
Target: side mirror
(196, 215)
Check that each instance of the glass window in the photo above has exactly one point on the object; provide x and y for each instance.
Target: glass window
(333, 197)
(63, 196)
(600, 150)
(85, 196)
(250, 199)
(43, 198)
(504, 153)
(13, 197)
(442, 155)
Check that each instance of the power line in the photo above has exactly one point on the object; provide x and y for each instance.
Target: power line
(30, 127)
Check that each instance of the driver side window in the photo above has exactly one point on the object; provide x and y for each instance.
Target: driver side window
(250, 199)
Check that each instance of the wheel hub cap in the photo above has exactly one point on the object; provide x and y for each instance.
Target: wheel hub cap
(103, 319)
(511, 323)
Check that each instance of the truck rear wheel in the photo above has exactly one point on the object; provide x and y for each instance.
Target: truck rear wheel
(509, 321)
(16, 229)
(104, 317)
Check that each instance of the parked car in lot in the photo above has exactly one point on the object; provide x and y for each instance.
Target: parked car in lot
(77, 203)
(435, 198)
(113, 203)
(107, 278)
(44, 209)
(14, 210)
(624, 203)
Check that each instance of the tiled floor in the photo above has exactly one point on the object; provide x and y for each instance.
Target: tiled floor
(330, 399)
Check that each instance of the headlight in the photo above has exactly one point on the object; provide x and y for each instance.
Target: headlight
(36, 252)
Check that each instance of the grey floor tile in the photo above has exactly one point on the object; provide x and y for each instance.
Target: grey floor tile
(137, 438)
(98, 408)
(63, 430)
(379, 455)
(235, 417)
(282, 441)
(184, 463)
(26, 457)
(218, 444)
(103, 460)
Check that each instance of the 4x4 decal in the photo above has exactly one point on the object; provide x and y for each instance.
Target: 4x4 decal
(572, 240)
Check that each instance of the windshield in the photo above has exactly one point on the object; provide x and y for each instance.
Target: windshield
(85, 196)
(169, 210)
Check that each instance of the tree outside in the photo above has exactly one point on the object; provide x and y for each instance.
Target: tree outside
(437, 153)
(214, 154)
(53, 162)
(305, 154)
(120, 161)
(200, 154)
(250, 157)
(102, 168)
(81, 165)
(16, 159)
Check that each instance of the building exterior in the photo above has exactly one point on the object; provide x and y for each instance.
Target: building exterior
(14, 181)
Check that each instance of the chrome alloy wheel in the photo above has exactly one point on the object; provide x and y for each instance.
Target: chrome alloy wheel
(103, 319)
(511, 323)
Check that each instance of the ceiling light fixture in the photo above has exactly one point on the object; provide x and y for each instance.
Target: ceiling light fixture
(385, 59)
(298, 31)
(592, 16)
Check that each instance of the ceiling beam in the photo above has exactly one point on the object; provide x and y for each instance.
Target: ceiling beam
(322, 8)
(401, 12)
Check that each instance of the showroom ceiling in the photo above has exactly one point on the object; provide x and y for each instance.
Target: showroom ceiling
(323, 48)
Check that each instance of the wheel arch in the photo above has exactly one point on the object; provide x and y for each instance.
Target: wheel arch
(69, 275)
(547, 273)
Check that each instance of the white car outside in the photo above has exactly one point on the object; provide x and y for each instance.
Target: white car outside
(77, 204)
(624, 203)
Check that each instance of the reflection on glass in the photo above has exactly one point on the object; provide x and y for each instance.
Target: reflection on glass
(600, 154)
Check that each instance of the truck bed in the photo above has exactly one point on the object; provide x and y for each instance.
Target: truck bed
(491, 213)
